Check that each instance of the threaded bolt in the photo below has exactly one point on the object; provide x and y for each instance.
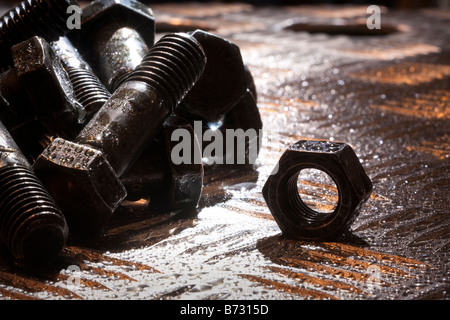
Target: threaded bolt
(114, 37)
(31, 225)
(172, 67)
(137, 109)
(84, 176)
(88, 89)
(118, 55)
(44, 18)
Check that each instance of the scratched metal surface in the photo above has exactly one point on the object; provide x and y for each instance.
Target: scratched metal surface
(388, 96)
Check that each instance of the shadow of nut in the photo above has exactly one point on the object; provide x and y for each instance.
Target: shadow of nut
(223, 82)
(114, 14)
(82, 183)
(295, 219)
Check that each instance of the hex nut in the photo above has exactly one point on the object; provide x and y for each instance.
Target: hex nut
(295, 219)
(82, 183)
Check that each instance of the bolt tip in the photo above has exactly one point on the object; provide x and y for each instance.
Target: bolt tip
(42, 243)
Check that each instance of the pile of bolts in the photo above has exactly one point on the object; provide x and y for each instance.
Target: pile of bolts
(87, 117)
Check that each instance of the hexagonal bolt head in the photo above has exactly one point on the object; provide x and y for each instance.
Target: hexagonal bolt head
(223, 82)
(82, 183)
(47, 85)
(295, 219)
(47, 19)
(113, 15)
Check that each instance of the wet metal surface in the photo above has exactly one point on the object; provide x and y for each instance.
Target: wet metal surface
(386, 96)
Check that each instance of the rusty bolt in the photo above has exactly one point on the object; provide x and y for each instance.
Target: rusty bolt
(295, 219)
(83, 176)
(170, 185)
(114, 37)
(31, 225)
(44, 18)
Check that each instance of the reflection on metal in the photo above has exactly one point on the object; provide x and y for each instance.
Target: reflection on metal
(315, 86)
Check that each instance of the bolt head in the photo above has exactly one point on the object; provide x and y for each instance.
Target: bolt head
(46, 83)
(82, 183)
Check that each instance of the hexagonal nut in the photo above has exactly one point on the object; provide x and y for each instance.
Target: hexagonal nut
(82, 183)
(223, 82)
(47, 85)
(115, 14)
(295, 219)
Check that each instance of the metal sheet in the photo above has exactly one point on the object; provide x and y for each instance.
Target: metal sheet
(387, 96)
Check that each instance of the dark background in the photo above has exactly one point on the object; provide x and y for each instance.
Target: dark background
(405, 4)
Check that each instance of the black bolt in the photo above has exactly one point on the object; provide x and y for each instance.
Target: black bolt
(114, 37)
(44, 18)
(121, 127)
(31, 225)
(118, 55)
(88, 89)
(83, 176)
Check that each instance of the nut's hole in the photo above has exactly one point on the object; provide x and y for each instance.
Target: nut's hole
(317, 190)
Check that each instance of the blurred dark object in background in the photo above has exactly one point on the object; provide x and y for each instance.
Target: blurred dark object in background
(401, 4)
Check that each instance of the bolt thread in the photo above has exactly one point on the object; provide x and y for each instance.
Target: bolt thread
(31, 224)
(88, 89)
(44, 18)
(172, 66)
(118, 82)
